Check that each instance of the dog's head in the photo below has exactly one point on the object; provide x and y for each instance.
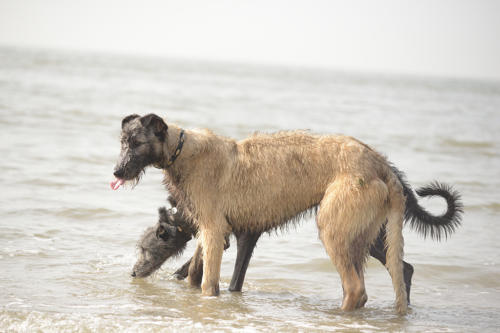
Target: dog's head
(142, 141)
(166, 239)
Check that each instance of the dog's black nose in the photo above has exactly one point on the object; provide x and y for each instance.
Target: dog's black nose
(118, 173)
(133, 274)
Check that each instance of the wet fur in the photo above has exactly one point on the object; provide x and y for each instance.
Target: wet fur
(168, 238)
(265, 181)
(152, 247)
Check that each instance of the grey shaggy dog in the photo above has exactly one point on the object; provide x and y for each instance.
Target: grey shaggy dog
(158, 243)
(166, 239)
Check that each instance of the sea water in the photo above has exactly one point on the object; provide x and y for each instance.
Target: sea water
(68, 243)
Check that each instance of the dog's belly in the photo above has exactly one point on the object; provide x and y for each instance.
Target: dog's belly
(271, 202)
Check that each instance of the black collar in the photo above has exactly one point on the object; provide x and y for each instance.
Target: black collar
(177, 150)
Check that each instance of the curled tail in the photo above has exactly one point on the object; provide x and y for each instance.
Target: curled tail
(424, 222)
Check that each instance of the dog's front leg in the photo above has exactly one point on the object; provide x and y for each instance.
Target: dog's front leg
(212, 239)
(246, 244)
(195, 271)
(183, 272)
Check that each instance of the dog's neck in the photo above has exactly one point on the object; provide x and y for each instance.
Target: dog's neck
(177, 150)
(172, 163)
(173, 146)
(195, 141)
(201, 149)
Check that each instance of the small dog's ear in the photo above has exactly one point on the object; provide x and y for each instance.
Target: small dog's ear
(172, 201)
(162, 212)
(128, 119)
(156, 124)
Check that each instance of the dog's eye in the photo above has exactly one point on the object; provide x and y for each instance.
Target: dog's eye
(164, 236)
(133, 143)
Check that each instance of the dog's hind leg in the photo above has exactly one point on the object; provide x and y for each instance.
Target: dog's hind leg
(353, 286)
(379, 252)
(394, 242)
(349, 218)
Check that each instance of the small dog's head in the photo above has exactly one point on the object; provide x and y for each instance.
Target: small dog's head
(142, 141)
(166, 239)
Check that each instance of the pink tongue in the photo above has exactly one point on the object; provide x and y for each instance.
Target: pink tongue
(116, 183)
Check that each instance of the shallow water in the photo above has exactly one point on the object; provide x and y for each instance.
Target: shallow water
(67, 242)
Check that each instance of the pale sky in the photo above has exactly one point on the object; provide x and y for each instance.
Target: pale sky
(451, 38)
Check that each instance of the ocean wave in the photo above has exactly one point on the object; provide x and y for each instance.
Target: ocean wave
(493, 207)
(467, 143)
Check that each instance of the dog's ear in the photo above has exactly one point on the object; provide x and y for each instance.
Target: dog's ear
(165, 229)
(156, 124)
(128, 119)
(162, 212)
(172, 201)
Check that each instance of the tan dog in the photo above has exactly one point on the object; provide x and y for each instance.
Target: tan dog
(264, 181)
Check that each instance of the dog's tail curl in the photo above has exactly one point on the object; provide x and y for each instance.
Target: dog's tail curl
(424, 222)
